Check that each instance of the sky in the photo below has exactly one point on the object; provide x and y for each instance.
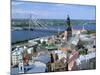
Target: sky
(51, 10)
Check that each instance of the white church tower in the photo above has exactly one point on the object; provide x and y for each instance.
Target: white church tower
(21, 64)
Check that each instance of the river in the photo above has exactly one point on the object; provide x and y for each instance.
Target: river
(21, 35)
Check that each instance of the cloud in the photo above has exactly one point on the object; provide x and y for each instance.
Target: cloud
(23, 11)
(59, 5)
(35, 12)
(17, 3)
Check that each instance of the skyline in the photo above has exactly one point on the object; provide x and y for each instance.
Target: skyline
(41, 10)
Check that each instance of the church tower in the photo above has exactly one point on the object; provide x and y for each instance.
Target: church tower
(21, 63)
(69, 29)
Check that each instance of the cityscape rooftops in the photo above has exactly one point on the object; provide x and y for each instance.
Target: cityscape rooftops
(64, 49)
(85, 57)
(43, 58)
(37, 67)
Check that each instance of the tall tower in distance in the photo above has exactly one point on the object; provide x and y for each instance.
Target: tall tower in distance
(69, 29)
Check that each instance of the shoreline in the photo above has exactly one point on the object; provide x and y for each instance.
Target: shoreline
(24, 41)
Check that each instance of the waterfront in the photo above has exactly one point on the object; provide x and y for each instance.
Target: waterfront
(21, 35)
(53, 50)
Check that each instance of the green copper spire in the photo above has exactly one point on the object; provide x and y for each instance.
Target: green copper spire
(68, 20)
(69, 29)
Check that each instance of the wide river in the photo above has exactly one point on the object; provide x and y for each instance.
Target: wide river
(22, 35)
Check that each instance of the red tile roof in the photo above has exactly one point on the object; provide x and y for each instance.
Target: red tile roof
(73, 56)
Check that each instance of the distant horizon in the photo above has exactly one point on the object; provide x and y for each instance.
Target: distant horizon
(51, 19)
(40, 10)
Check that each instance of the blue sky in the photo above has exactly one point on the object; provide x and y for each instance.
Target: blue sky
(51, 10)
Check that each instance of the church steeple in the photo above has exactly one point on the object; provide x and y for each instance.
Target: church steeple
(68, 20)
(69, 29)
